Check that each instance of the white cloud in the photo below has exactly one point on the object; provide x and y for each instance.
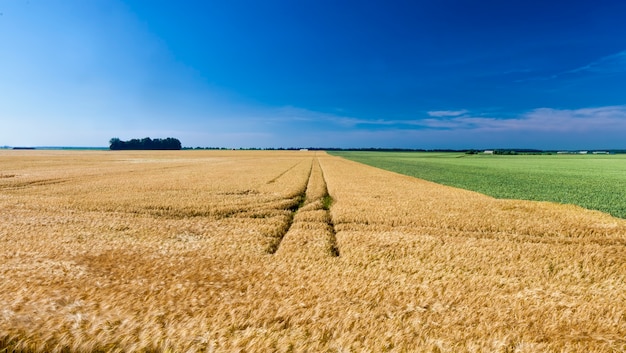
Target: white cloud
(610, 118)
(445, 113)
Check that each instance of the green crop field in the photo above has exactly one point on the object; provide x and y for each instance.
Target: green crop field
(595, 182)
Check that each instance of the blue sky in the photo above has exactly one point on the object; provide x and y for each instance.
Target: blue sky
(283, 73)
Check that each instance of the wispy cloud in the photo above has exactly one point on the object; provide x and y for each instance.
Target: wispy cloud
(610, 64)
(296, 114)
(596, 119)
(595, 127)
(542, 127)
(445, 113)
(609, 118)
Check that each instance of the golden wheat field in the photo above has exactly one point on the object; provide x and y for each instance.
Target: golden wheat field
(243, 251)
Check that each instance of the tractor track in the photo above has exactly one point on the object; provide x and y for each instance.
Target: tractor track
(327, 201)
(298, 202)
(310, 212)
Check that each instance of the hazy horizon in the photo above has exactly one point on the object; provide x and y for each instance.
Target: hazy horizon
(330, 148)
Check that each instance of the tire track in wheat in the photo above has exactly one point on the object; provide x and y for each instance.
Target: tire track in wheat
(327, 201)
(273, 180)
(312, 232)
(298, 201)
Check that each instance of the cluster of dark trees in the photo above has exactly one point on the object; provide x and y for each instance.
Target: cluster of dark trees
(145, 143)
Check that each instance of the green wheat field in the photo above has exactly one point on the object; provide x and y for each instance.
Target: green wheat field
(596, 182)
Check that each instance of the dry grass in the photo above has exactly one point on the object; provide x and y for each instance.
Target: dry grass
(169, 251)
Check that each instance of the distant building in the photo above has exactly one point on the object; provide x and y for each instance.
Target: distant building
(600, 152)
(583, 152)
(488, 152)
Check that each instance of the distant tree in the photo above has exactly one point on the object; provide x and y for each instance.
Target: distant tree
(115, 143)
(145, 143)
(505, 152)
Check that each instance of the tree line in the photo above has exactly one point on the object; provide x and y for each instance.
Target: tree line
(146, 143)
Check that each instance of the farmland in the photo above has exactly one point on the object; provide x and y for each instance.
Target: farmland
(596, 182)
(231, 251)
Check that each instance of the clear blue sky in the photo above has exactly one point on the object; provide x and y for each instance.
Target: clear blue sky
(284, 73)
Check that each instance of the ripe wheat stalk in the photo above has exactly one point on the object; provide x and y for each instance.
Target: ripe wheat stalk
(167, 251)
